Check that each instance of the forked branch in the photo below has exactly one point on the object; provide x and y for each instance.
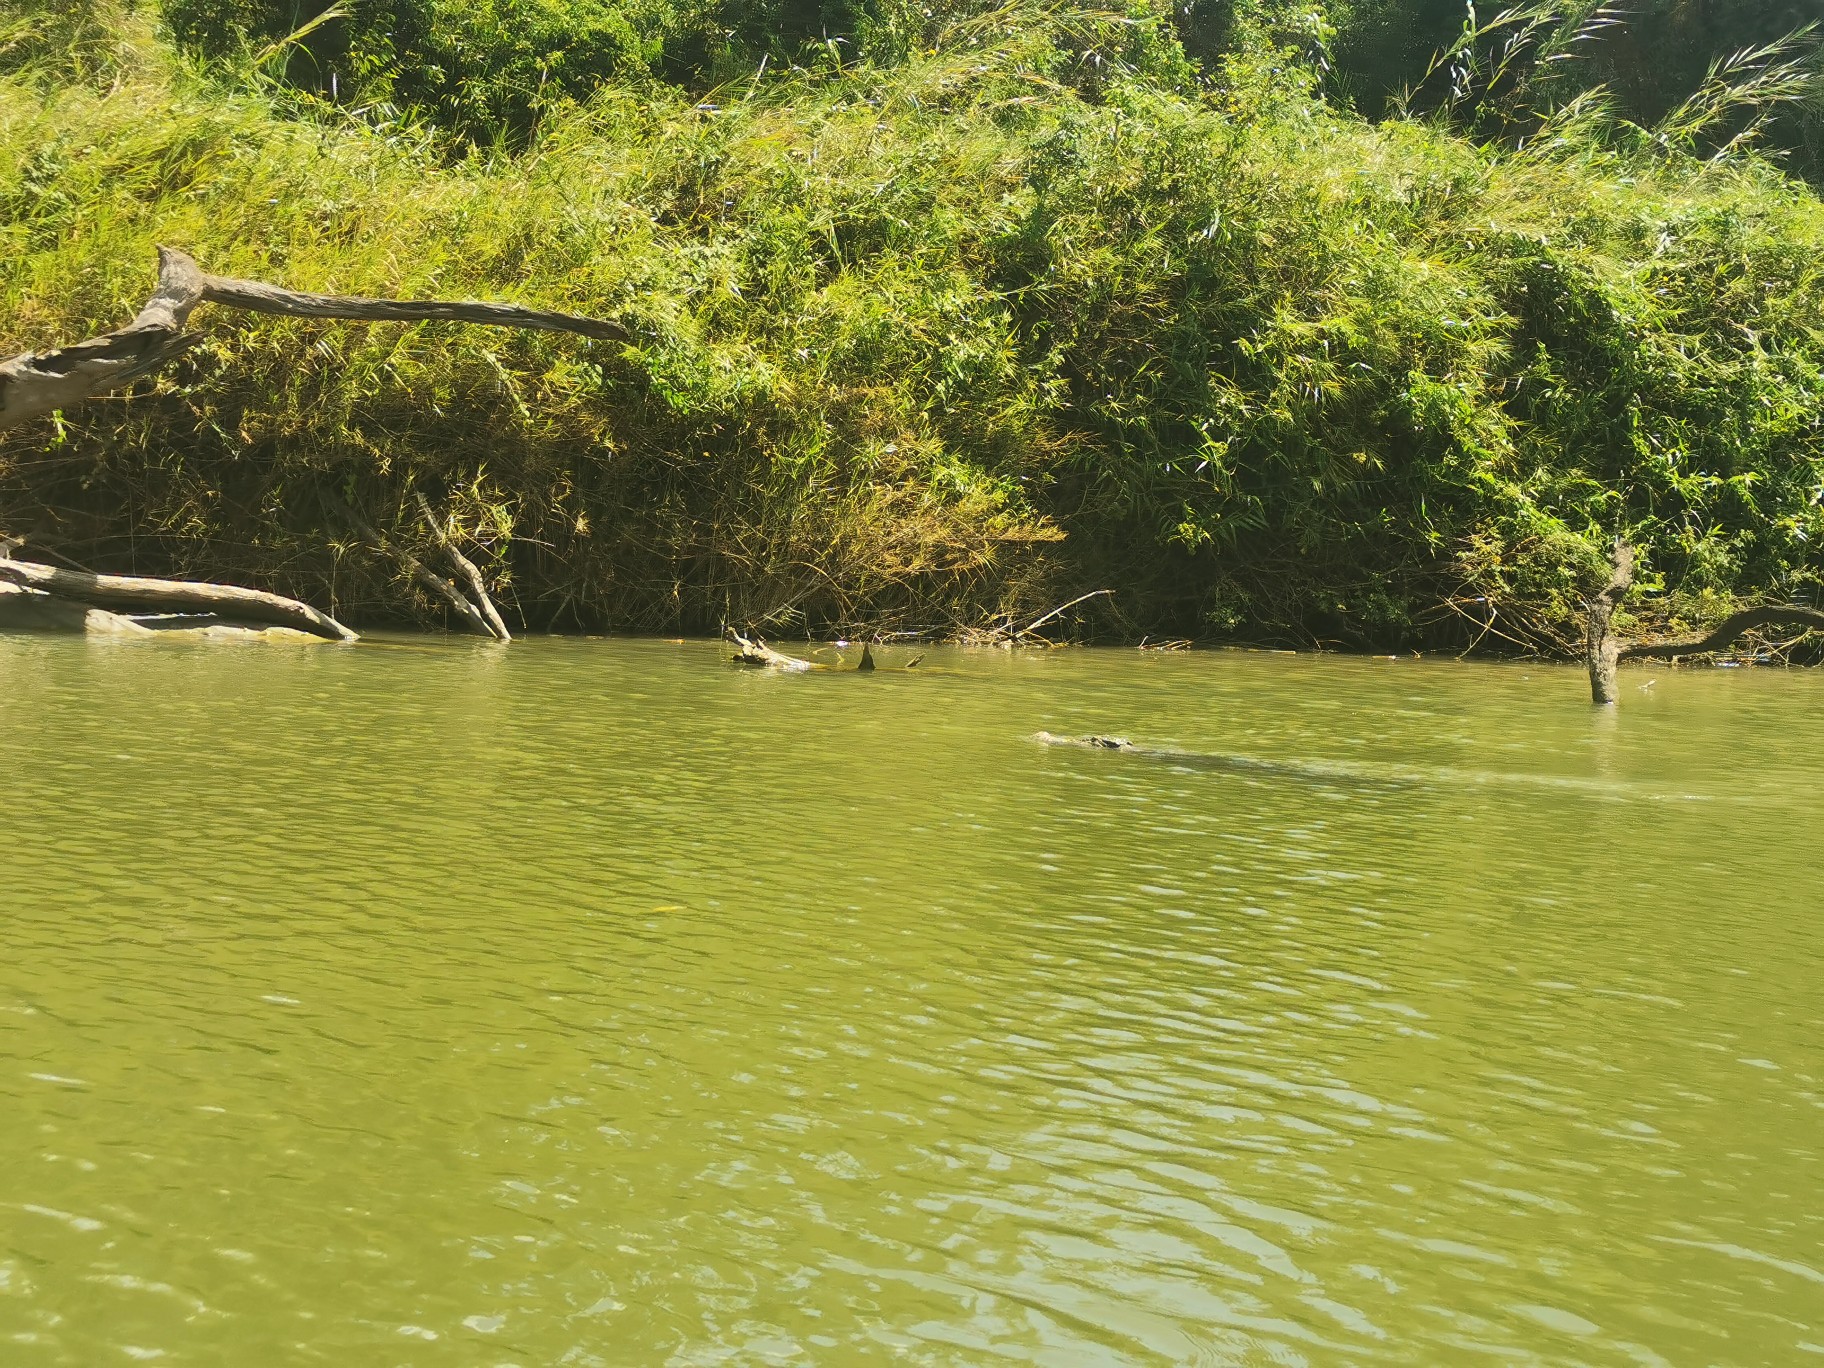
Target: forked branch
(1604, 649)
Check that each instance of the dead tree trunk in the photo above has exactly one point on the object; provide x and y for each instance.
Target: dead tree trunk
(1604, 650)
(1601, 648)
(35, 384)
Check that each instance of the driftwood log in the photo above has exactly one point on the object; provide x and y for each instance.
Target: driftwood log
(753, 651)
(1604, 650)
(132, 591)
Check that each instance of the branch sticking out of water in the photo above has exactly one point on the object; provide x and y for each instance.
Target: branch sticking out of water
(1604, 649)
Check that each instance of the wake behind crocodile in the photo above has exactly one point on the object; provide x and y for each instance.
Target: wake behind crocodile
(1362, 774)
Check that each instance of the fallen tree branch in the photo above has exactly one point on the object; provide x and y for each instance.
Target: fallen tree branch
(1037, 623)
(132, 591)
(468, 570)
(753, 651)
(1726, 631)
(467, 613)
(257, 297)
(34, 384)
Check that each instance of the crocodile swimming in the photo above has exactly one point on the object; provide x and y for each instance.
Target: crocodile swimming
(1364, 775)
(1311, 771)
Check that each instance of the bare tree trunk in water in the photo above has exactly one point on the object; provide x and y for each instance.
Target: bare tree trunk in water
(1601, 649)
(1604, 650)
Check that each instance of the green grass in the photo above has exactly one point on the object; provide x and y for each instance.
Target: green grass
(924, 345)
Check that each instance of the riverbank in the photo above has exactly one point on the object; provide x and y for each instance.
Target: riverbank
(933, 346)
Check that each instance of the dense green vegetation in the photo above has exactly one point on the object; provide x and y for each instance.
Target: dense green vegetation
(946, 319)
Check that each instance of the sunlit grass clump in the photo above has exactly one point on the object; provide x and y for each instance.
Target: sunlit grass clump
(1030, 314)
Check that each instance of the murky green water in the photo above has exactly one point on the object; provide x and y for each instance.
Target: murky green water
(595, 1003)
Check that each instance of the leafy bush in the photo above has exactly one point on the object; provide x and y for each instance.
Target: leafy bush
(928, 342)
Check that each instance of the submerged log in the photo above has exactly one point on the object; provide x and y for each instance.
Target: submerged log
(163, 595)
(1308, 771)
(34, 384)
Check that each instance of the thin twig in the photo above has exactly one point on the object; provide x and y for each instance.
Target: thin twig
(1037, 623)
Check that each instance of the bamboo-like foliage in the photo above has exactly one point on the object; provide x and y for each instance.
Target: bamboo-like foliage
(939, 342)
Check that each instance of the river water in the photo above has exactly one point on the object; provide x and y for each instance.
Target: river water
(594, 1002)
